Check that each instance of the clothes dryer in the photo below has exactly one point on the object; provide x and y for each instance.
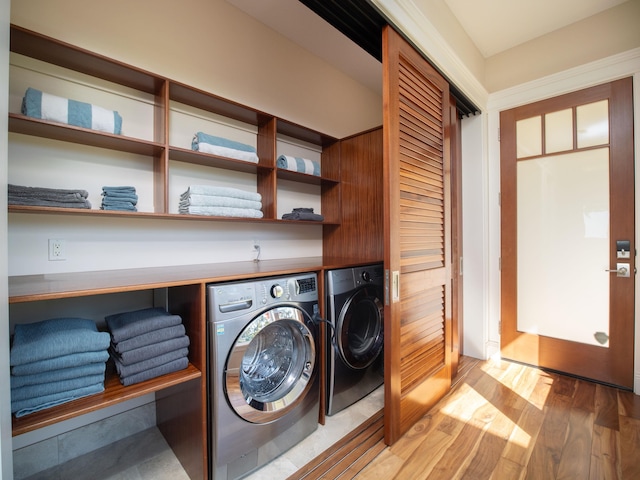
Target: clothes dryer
(263, 375)
(355, 335)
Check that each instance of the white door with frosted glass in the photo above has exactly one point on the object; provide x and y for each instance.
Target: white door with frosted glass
(567, 232)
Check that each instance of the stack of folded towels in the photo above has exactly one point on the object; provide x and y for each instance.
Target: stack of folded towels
(203, 142)
(47, 197)
(146, 344)
(55, 361)
(298, 164)
(303, 213)
(49, 107)
(220, 202)
(119, 198)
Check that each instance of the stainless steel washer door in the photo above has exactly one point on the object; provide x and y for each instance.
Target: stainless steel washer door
(270, 366)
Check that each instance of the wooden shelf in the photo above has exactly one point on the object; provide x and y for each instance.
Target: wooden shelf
(114, 393)
(152, 216)
(209, 160)
(31, 288)
(83, 136)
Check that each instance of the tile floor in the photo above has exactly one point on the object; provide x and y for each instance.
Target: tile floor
(146, 455)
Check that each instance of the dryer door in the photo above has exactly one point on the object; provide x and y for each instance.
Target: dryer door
(359, 331)
(271, 365)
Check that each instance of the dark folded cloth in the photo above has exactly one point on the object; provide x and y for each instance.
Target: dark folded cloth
(173, 366)
(50, 388)
(151, 351)
(65, 361)
(24, 407)
(303, 214)
(149, 338)
(131, 369)
(55, 337)
(97, 368)
(47, 197)
(123, 326)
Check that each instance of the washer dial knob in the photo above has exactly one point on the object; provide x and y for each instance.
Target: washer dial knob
(276, 291)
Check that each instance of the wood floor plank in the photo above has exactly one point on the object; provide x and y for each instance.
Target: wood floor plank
(547, 451)
(607, 407)
(628, 404)
(576, 454)
(605, 454)
(630, 447)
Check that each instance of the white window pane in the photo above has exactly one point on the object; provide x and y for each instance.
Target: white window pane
(529, 137)
(563, 246)
(593, 124)
(558, 131)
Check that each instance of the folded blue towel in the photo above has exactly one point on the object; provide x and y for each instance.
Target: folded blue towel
(128, 370)
(149, 338)
(64, 361)
(54, 338)
(45, 106)
(24, 407)
(58, 375)
(298, 164)
(203, 142)
(222, 211)
(173, 366)
(119, 189)
(220, 192)
(123, 326)
(150, 351)
(50, 388)
(123, 207)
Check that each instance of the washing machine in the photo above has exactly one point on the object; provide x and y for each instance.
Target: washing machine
(355, 334)
(263, 379)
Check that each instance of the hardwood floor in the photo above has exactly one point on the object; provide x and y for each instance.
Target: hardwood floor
(502, 421)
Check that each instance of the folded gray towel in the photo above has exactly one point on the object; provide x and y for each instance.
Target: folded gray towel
(151, 351)
(149, 338)
(50, 388)
(24, 407)
(173, 366)
(42, 202)
(55, 337)
(60, 374)
(65, 361)
(128, 370)
(19, 190)
(123, 326)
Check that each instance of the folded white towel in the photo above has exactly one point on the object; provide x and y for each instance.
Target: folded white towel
(228, 152)
(219, 201)
(222, 211)
(221, 191)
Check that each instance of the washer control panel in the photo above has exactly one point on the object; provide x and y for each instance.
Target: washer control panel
(239, 297)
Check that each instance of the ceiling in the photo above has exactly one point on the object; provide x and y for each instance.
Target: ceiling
(497, 25)
(492, 25)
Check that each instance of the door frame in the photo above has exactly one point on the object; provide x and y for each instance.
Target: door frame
(483, 272)
(594, 362)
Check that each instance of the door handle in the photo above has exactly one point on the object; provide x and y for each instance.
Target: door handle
(622, 270)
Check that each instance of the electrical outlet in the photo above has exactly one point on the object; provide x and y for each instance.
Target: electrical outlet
(56, 249)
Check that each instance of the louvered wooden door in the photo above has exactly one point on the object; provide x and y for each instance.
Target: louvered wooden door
(417, 235)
